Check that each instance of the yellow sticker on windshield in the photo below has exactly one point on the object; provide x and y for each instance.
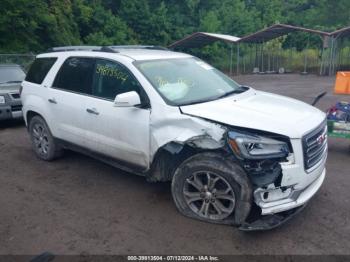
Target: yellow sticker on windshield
(161, 81)
(181, 80)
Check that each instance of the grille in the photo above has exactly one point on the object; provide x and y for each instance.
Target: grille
(315, 146)
(16, 108)
(15, 95)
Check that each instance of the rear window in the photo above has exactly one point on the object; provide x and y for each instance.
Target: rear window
(39, 69)
(76, 75)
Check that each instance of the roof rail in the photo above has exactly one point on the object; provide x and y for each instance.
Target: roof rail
(110, 49)
(82, 48)
(151, 47)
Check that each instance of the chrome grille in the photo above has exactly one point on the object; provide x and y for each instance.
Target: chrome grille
(315, 146)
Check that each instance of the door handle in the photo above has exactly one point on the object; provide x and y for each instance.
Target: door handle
(92, 111)
(52, 100)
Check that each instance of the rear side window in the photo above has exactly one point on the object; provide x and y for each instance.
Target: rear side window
(39, 69)
(76, 75)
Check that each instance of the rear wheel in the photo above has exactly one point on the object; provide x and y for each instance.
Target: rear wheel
(43, 143)
(209, 188)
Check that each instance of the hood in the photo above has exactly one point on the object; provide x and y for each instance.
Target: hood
(262, 111)
(9, 88)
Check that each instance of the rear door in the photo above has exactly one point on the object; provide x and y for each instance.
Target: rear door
(67, 98)
(118, 132)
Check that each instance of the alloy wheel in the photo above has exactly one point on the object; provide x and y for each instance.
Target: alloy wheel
(209, 195)
(40, 139)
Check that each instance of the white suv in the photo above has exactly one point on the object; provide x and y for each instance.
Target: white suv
(234, 155)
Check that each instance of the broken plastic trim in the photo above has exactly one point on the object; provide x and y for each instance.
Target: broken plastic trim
(264, 170)
(268, 222)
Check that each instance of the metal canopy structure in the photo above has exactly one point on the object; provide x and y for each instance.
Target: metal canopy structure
(271, 33)
(330, 55)
(341, 32)
(276, 31)
(200, 39)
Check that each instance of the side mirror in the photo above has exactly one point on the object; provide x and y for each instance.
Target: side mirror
(128, 99)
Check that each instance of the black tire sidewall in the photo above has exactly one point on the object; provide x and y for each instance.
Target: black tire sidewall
(204, 162)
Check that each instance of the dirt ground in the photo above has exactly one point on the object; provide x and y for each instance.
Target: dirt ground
(77, 205)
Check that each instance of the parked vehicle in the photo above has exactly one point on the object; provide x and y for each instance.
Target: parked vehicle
(338, 120)
(11, 77)
(234, 155)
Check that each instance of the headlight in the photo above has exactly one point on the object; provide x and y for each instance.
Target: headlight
(256, 147)
(2, 100)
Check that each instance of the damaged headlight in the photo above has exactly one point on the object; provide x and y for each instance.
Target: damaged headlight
(248, 146)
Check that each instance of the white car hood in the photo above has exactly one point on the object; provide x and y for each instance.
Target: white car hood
(262, 111)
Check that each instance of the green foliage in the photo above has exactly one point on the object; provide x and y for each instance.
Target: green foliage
(35, 25)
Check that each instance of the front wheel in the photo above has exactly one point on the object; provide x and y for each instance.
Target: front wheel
(211, 188)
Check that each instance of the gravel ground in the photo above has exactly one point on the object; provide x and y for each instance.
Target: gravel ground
(77, 205)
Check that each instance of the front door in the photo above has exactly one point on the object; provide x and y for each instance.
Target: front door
(118, 132)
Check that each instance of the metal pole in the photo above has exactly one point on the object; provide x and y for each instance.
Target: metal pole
(251, 68)
(347, 56)
(262, 57)
(335, 56)
(330, 71)
(237, 58)
(243, 60)
(256, 62)
(322, 59)
(231, 60)
(305, 55)
(269, 60)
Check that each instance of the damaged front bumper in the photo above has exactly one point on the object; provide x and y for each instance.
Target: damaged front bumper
(262, 223)
(276, 204)
(297, 185)
(289, 199)
(275, 213)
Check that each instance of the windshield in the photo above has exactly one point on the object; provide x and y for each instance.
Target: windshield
(186, 81)
(10, 74)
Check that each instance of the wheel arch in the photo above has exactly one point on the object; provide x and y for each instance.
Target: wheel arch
(172, 154)
(30, 114)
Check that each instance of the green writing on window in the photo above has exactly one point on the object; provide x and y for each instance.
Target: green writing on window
(109, 71)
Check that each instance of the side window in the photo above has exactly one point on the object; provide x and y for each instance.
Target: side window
(76, 75)
(111, 79)
(39, 69)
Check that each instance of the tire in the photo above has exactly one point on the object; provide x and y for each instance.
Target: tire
(212, 188)
(43, 143)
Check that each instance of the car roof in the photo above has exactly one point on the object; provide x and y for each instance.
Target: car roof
(134, 53)
(9, 65)
(144, 54)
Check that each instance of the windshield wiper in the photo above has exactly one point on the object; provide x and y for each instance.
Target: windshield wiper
(11, 82)
(198, 101)
(236, 91)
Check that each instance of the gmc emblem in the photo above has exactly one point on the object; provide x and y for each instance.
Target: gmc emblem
(321, 139)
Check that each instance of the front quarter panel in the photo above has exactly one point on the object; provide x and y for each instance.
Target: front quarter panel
(168, 124)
